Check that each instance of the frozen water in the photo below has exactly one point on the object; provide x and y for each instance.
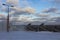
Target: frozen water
(24, 35)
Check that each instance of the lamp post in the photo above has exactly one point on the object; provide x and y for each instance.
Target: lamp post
(8, 17)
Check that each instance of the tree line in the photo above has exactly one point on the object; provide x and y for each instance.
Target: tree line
(42, 27)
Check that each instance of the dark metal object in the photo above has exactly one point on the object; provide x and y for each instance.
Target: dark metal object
(8, 27)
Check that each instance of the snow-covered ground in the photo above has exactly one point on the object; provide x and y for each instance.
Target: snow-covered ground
(23, 35)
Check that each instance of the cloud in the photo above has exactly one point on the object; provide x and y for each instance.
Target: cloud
(48, 0)
(12, 2)
(30, 10)
(25, 19)
(16, 11)
(0, 4)
(43, 15)
(53, 10)
(40, 19)
(47, 20)
(25, 3)
(26, 9)
(54, 18)
(4, 9)
(57, 1)
(2, 17)
(53, 21)
(0, 1)
(22, 3)
(22, 18)
(58, 12)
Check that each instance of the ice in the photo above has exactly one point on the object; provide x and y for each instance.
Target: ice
(24, 35)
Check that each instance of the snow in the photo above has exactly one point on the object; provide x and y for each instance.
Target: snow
(24, 35)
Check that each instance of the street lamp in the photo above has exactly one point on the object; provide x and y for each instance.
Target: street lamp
(8, 16)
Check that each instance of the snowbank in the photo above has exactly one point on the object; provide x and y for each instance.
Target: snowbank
(23, 35)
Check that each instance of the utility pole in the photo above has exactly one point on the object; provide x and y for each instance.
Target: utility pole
(8, 26)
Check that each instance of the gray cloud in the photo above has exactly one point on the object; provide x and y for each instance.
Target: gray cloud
(53, 10)
(26, 19)
(54, 21)
(42, 15)
(18, 10)
(16, 17)
(2, 17)
(21, 18)
(57, 1)
(47, 21)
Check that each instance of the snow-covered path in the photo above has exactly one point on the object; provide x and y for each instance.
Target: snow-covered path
(23, 35)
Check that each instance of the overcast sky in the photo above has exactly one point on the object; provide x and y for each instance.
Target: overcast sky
(31, 11)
